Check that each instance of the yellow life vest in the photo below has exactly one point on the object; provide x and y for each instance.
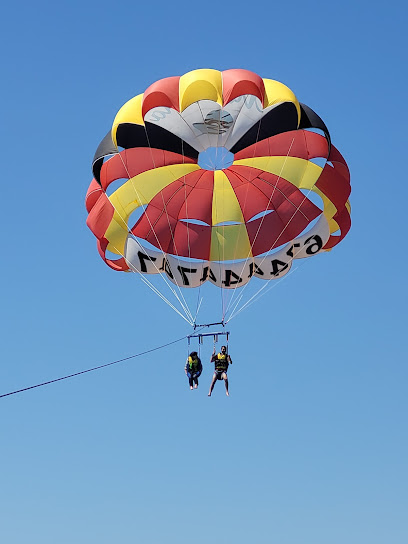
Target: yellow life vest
(221, 363)
(193, 363)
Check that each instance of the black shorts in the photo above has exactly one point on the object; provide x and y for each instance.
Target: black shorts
(220, 374)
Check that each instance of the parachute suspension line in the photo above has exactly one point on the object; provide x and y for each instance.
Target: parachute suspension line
(234, 312)
(213, 166)
(177, 254)
(160, 295)
(249, 256)
(94, 368)
(183, 305)
(206, 129)
(267, 206)
(219, 258)
(186, 307)
(155, 289)
(198, 307)
(236, 304)
(194, 318)
(185, 200)
(223, 229)
(198, 301)
(297, 208)
(241, 109)
(223, 290)
(235, 291)
(223, 236)
(258, 294)
(189, 337)
(158, 292)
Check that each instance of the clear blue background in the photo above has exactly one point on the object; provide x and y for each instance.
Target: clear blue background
(311, 447)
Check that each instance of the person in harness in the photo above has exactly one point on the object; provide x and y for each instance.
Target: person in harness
(193, 369)
(221, 360)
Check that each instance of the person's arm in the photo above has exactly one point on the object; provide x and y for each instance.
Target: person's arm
(229, 360)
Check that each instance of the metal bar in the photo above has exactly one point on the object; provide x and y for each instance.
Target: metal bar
(210, 324)
(209, 334)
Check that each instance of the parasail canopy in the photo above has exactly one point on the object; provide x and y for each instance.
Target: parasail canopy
(216, 176)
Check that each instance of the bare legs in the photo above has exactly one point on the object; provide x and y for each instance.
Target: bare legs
(212, 384)
(223, 377)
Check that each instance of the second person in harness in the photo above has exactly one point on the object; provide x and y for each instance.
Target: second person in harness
(193, 369)
(221, 361)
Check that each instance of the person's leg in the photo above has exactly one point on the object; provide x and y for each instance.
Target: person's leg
(225, 378)
(190, 381)
(212, 383)
(195, 382)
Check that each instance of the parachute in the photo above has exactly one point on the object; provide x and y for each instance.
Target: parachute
(216, 177)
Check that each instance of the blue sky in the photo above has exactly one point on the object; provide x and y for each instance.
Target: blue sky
(311, 447)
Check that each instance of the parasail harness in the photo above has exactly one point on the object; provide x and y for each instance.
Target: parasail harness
(215, 335)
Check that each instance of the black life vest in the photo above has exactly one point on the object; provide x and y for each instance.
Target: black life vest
(221, 362)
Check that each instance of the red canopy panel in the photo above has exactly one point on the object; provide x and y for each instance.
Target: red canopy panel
(293, 211)
(164, 92)
(251, 199)
(172, 236)
(191, 240)
(334, 181)
(270, 231)
(100, 216)
(155, 227)
(189, 197)
(92, 195)
(198, 204)
(202, 179)
(296, 143)
(238, 82)
(334, 186)
(343, 219)
(131, 162)
(276, 190)
(118, 264)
